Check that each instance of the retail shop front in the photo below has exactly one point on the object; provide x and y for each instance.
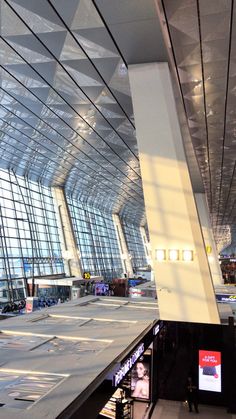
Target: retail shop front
(130, 388)
(135, 380)
(68, 360)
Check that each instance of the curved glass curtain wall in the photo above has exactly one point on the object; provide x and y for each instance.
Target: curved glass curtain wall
(96, 240)
(135, 245)
(29, 239)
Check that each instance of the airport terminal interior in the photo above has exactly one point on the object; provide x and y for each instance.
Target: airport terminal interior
(117, 209)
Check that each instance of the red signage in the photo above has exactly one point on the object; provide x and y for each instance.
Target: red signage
(209, 358)
(210, 370)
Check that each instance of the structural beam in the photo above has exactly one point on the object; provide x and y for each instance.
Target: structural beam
(124, 253)
(185, 288)
(210, 244)
(70, 251)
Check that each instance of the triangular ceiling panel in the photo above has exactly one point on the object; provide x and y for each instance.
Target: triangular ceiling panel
(39, 15)
(68, 91)
(8, 55)
(92, 92)
(190, 73)
(86, 16)
(214, 84)
(214, 69)
(10, 23)
(54, 41)
(92, 49)
(98, 37)
(117, 122)
(82, 79)
(192, 86)
(208, 8)
(124, 100)
(192, 124)
(84, 67)
(63, 107)
(71, 50)
(121, 85)
(105, 97)
(175, 7)
(182, 38)
(113, 109)
(41, 92)
(67, 13)
(54, 98)
(185, 19)
(106, 67)
(31, 43)
(215, 26)
(216, 50)
(82, 109)
(214, 98)
(190, 55)
(27, 73)
(36, 108)
(21, 95)
(29, 55)
(47, 70)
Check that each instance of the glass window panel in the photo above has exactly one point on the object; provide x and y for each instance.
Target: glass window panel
(96, 240)
(29, 230)
(135, 244)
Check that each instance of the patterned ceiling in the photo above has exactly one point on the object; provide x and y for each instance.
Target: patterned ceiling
(203, 39)
(66, 115)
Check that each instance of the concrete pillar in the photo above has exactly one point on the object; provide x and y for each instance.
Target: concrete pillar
(146, 244)
(124, 253)
(210, 244)
(185, 289)
(70, 251)
(147, 249)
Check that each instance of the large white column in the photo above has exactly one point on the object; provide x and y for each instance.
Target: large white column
(185, 289)
(70, 251)
(210, 245)
(124, 253)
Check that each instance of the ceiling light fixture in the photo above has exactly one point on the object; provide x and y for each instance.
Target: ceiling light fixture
(173, 254)
(187, 255)
(160, 254)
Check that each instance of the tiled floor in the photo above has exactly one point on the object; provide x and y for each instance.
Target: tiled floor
(166, 409)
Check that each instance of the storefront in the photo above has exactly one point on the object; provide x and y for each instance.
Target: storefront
(135, 380)
(110, 357)
(87, 349)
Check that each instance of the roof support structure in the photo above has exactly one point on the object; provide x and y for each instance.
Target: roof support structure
(185, 288)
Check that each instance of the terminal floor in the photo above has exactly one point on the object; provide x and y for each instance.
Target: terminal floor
(167, 409)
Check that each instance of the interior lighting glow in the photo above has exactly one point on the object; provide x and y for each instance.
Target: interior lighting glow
(187, 255)
(160, 254)
(173, 254)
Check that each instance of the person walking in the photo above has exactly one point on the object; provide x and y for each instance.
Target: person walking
(192, 396)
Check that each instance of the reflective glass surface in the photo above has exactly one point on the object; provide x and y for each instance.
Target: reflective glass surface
(29, 240)
(96, 239)
(135, 244)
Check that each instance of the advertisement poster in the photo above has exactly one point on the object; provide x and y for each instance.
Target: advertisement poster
(141, 377)
(31, 304)
(101, 288)
(210, 371)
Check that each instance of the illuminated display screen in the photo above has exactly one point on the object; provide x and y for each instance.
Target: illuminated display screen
(101, 288)
(141, 377)
(209, 371)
